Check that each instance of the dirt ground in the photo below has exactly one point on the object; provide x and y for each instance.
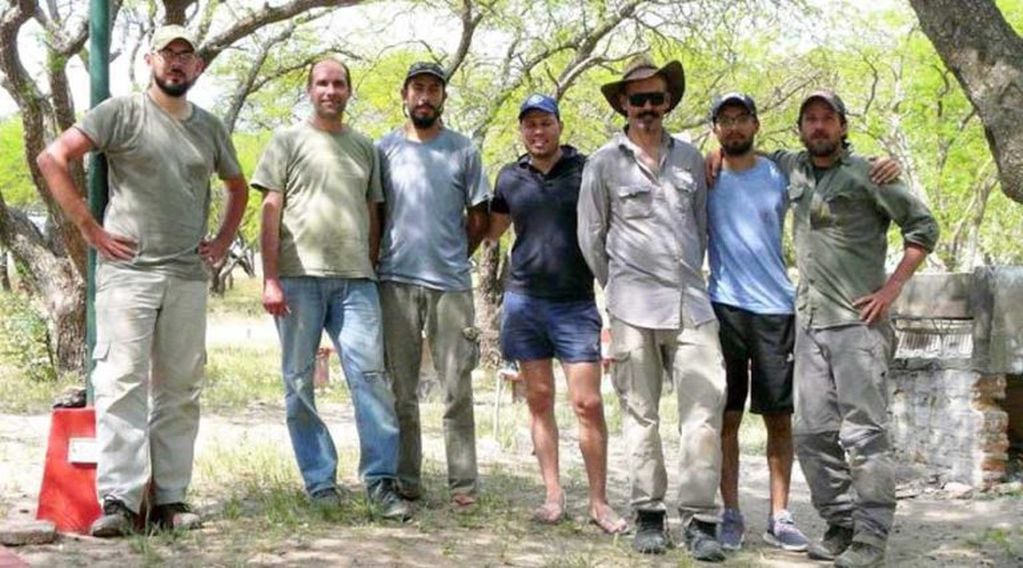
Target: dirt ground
(932, 529)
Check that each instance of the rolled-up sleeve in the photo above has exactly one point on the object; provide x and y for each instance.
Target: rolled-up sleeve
(911, 215)
(592, 221)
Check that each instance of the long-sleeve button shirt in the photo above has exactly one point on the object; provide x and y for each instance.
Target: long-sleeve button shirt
(644, 232)
(840, 226)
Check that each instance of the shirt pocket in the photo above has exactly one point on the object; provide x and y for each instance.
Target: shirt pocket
(636, 201)
(686, 188)
(796, 191)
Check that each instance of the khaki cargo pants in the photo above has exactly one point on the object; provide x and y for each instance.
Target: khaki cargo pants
(448, 320)
(692, 357)
(149, 357)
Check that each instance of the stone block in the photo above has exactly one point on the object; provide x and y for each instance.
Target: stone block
(16, 532)
(996, 300)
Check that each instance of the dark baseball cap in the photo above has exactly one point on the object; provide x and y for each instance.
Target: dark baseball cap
(732, 98)
(544, 103)
(426, 68)
(828, 97)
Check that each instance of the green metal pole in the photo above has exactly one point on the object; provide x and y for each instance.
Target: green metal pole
(99, 78)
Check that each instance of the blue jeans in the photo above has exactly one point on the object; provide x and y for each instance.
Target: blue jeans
(349, 310)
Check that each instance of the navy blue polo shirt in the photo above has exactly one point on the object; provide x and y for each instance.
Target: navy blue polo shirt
(545, 259)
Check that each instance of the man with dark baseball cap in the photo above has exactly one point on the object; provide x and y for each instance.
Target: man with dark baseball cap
(844, 339)
(753, 300)
(435, 215)
(642, 229)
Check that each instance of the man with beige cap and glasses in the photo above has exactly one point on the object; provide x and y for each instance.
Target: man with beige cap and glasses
(150, 279)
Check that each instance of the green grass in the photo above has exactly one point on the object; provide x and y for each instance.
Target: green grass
(20, 395)
(244, 299)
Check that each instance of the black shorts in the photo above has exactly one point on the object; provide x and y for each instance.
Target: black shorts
(758, 352)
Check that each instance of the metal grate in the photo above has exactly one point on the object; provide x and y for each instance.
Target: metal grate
(934, 337)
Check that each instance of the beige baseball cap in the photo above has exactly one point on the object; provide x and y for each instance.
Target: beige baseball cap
(166, 34)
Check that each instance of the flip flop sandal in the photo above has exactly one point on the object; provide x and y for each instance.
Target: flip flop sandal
(611, 523)
(550, 513)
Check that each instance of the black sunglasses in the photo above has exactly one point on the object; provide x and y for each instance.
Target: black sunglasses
(640, 99)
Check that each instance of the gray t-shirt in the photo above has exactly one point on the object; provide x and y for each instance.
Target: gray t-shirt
(159, 176)
(327, 178)
(427, 187)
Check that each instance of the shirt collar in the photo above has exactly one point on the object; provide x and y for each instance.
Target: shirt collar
(568, 153)
(623, 142)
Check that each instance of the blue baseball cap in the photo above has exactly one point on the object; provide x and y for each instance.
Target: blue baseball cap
(544, 103)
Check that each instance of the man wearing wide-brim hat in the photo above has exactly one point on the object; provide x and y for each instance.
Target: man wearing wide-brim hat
(642, 229)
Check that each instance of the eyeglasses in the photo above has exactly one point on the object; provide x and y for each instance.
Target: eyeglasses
(729, 121)
(170, 55)
(640, 99)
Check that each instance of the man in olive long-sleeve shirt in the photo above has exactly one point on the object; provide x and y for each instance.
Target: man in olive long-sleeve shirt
(642, 230)
(844, 340)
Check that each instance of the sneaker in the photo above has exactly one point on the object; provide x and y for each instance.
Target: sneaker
(410, 492)
(861, 555)
(650, 535)
(385, 500)
(730, 530)
(836, 539)
(117, 520)
(326, 498)
(701, 543)
(782, 533)
(175, 517)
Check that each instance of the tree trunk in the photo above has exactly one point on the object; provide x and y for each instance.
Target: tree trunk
(986, 56)
(489, 295)
(5, 279)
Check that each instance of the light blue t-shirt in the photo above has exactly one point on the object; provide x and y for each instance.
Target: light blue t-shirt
(746, 212)
(427, 187)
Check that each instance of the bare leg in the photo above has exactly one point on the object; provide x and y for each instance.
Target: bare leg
(779, 458)
(584, 393)
(730, 458)
(539, 379)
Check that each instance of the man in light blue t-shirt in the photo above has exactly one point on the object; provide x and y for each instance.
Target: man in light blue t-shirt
(753, 300)
(434, 218)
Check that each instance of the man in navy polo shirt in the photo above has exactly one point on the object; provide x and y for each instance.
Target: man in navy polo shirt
(549, 309)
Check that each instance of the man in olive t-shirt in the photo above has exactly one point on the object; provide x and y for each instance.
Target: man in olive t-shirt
(150, 282)
(321, 186)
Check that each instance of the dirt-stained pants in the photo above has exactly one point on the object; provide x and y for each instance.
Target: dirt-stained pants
(840, 427)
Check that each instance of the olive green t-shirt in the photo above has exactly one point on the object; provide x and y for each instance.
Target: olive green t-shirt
(159, 177)
(327, 179)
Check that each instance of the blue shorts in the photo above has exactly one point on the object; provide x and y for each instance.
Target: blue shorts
(537, 328)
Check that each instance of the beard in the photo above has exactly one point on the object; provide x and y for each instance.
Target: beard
(820, 147)
(425, 121)
(175, 90)
(737, 147)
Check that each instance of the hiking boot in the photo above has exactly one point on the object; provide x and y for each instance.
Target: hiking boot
(701, 542)
(651, 537)
(116, 520)
(327, 498)
(861, 555)
(782, 533)
(730, 530)
(836, 539)
(175, 517)
(385, 500)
